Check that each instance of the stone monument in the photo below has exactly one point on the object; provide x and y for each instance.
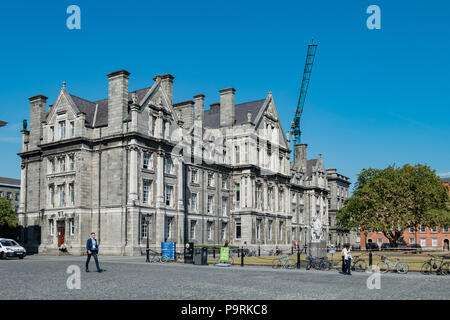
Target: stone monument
(317, 243)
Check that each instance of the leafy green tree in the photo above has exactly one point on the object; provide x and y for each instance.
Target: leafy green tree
(8, 220)
(393, 199)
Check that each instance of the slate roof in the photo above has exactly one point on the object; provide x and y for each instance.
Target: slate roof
(212, 116)
(10, 181)
(445, 180)
(101, 118)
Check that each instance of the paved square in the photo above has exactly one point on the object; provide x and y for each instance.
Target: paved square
(45, 277)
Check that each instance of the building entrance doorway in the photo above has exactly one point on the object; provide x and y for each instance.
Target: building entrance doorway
(445, 244)
(61, 232)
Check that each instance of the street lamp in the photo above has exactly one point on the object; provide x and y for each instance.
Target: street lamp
(147, 222)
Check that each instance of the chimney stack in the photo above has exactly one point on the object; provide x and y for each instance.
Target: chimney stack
(166, 85)
(38, 109)
(117, 100)
(300, 155)
(199, 107)
(227, 107)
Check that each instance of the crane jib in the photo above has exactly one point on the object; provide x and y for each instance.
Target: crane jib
(311, 53)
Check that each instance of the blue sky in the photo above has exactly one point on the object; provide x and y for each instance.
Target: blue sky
(376, 97)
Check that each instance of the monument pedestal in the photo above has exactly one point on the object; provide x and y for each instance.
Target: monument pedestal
(317, 249)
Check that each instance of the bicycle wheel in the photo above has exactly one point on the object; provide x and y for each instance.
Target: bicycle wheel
(324, 266)
(445, 269)
(402, 267)
(288, 265)
(317, 265)
(426, 268)
(359, 266)
(276, 263)
(309, 265)
(156, 259)
(383, 266)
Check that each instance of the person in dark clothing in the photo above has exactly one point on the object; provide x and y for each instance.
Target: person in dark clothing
(92, 251)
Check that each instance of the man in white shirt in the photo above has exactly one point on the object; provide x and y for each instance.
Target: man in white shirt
(347, 259)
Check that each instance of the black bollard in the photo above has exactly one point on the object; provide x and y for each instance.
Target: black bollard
(242, 257)
(292, 250)
(298, 258)
(214, 253)
(259, 251)
(370, 259)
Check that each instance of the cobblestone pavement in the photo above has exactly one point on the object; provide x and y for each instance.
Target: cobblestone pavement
(45, 277)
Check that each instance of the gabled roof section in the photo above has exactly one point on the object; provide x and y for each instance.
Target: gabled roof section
(62, 94)
(97, 111)
(310, 164)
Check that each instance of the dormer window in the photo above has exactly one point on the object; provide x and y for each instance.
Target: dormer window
(62, 129)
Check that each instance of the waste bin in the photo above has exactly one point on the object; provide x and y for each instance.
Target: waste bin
(201, 256)
(189, 252)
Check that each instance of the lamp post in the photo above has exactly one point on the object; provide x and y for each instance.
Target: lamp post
(147, 220)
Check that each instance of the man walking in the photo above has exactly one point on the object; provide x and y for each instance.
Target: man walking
(92, 250)
(348, 259)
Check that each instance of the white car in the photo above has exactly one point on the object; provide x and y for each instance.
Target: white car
(10, 248)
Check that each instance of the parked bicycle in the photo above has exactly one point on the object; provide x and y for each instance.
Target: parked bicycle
(230, 260)
(436, 263)
(359, 264)
(399, 266)
(283, 262)
(315, 263)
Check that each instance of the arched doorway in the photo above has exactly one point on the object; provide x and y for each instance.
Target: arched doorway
(445, 245)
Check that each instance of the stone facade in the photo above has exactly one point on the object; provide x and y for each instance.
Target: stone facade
(339, 192)
(137, 165)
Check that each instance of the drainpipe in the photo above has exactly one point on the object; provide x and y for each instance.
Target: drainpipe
(185, 204)
(99, 184)
(126, 198)
(203, 206)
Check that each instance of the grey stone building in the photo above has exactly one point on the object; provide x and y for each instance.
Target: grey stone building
(10, 189)
(137, 165)
(339, 191)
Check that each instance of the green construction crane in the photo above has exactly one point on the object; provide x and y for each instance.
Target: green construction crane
(295, 125)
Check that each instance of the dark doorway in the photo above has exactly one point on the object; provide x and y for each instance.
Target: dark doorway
(445, 244)
(61, 232)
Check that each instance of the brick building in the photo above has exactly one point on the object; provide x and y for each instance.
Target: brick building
(137, 165)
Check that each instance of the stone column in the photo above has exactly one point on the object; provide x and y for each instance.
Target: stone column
(22, 187)
(159, 124)
(134, 117)
(133, 182)
(160, 203)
